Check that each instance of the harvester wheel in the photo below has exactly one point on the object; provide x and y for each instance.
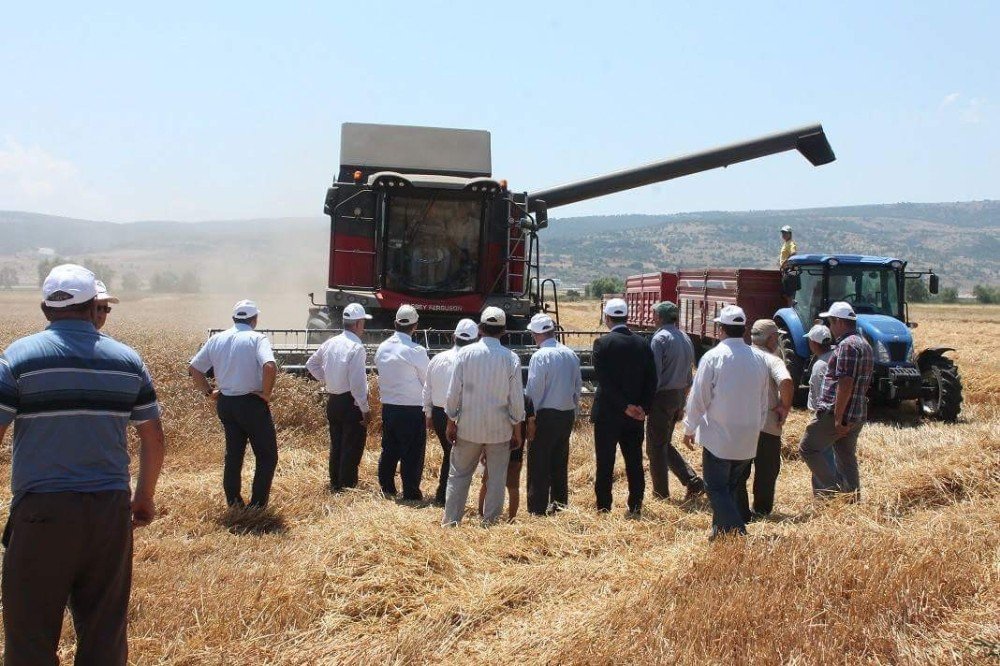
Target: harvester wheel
(796, 366)
(941, 376)
(318, 320)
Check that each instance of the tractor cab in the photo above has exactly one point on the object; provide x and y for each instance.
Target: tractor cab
(872, 285)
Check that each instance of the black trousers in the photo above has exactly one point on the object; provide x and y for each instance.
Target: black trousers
(404, 442)
(347, 440)
(609, 434)
(440, 421)
(247, 417)
(548, 461)
(766, 465)
(67, 548)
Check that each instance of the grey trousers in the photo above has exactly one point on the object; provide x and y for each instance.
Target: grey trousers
(464, 460)
(836, 474)
(663, 457)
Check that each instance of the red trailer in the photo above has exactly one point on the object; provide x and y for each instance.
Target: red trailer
(703, 293)
(644, 291)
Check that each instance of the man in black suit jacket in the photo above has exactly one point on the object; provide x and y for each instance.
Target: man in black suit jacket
(626, 377)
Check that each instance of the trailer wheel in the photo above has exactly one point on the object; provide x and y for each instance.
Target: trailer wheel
(796, 367)
(943, 385)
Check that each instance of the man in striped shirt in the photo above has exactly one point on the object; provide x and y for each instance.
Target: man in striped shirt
(485, 408)
(70, 392)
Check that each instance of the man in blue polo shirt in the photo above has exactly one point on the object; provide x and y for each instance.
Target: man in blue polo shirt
(70, 392)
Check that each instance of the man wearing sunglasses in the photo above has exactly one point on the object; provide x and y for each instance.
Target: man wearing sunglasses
(103, 305)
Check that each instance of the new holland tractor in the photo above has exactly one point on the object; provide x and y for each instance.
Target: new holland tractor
(875, 287)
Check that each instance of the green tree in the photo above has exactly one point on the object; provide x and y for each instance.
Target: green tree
(131, 282)
(189, 283)
(572, 295)
(916, 291)
(948, 295)
(606, 285)
(8, 277)
(45, 266)
(164, 282)
(984, 293)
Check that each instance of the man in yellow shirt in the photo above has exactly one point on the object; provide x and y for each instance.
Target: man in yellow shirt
(788, 247)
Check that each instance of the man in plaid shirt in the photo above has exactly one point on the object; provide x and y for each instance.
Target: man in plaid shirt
(842, 408)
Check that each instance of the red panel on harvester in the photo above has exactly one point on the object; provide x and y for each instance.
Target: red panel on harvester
(644, 291)
(703, 293)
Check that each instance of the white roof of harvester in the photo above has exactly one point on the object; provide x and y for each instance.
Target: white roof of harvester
(409, 149)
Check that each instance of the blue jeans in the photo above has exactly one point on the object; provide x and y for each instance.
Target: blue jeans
(722, 478)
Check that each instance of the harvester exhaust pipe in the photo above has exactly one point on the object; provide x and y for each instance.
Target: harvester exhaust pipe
(809, 140)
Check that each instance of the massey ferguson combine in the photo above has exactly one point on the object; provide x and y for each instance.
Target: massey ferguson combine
(417, 217)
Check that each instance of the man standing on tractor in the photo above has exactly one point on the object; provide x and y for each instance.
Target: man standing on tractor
(842, 408)
(788, 249)
(402, 370)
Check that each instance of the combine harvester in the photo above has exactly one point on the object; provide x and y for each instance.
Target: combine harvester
(874, 286)
(417, 217)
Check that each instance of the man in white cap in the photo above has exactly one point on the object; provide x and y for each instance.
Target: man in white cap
(725, 412)
(820, 339)
(339, 364)
(485, 408)
(766, 462)
(842, 407)
(68, 538)
(626, 385)
(553, 390)
(402, 371)
(245, 371)
(439, 373)
(104, 303)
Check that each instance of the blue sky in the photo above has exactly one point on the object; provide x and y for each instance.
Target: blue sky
(195, 111)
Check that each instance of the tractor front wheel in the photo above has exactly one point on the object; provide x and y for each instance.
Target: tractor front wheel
(796, 367)
(942, 390)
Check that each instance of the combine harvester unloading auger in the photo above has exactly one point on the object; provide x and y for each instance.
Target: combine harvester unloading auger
(417, 217)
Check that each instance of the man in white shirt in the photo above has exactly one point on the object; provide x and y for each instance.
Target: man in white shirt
(820, 344)
(553, 389)
(439, 373)
(725, 412)
(244, 369)
(339, 364)
(402, 370)
(767, 462)
(485, 408)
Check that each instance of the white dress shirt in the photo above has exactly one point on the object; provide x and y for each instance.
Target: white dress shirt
(340, 364)
(816, 379)
(439, 372)
(402, 369)
(554, 380)
(485, 397)
(238, 355)
(727, 405)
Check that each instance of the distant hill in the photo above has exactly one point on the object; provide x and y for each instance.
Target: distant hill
(961, 241)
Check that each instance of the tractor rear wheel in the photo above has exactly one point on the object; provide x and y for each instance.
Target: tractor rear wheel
(943, 385)
(796, 367)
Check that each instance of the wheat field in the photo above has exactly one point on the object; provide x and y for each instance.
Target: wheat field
(911, 575)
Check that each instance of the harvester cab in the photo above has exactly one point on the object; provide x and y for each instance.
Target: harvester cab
(876, 289)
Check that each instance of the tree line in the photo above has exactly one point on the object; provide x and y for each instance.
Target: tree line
(161, 282)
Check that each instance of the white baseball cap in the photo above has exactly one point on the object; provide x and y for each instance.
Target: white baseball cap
(467, 330)
(245, 309)
(786, 228)
(541, 323)
(819, 334)
(102, 293)
(406, 315)
(731, 315)
(616, 307)
(494, 316)
(68, 284)
(840, 310)
(355, 312)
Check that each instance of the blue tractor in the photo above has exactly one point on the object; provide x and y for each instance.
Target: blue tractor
(875, 287)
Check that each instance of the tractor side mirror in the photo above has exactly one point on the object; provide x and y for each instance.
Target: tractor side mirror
(934, 284)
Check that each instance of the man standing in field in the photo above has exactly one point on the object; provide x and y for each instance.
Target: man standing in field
(819, 338)
(402, 370)
(842, 408)
(485, 408)
(767, 462)
(626, 377)
(245, 371)
(554, 386)
(104, 303)
(70, 392)
(339, 364)
(439, 372)
(673, 354)
(725, 413)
